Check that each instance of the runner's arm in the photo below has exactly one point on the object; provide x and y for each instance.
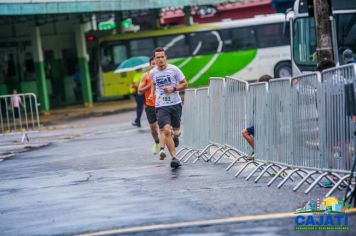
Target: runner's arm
(153, 89)
(141, 87)
(182, 85)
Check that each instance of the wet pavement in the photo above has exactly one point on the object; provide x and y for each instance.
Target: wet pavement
(99, 174)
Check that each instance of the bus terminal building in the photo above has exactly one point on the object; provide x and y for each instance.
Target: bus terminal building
(45, 47)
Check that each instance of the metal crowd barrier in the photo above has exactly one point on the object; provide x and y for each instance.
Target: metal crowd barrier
(305, 127)
(198, 123)
(202, 117)
(19, 114)
(338, 149)
(216, 115)
(276, 140)
(236, 116)
(217, 110)
(258, 114)
(301, 127)
(234, 121)
(189, 122)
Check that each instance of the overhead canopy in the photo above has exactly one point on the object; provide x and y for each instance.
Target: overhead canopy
(37, 7)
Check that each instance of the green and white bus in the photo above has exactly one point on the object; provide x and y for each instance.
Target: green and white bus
(245, 49)
(343, 29)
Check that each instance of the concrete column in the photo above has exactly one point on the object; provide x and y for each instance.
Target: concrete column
(40, 70)
(83, 65)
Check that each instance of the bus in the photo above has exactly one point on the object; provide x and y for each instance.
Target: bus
(303, 33)
(245, 49)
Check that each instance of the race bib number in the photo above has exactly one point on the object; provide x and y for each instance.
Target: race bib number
(166, 99)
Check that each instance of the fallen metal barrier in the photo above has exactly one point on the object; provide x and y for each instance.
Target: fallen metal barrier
(19, 114)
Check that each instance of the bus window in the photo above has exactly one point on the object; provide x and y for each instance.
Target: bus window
(238, 39)
(204, 42)
(120, 54)
(271, 35)
(112, 55)
(106, 58)
(346, 33)
(141, 47)
(304, 41)
(176, 45)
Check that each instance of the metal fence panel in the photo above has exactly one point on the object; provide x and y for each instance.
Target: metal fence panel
(217, 110)
(279, 122)
(236, 98)
(300, 122)
(336, 139)
(306, 121)
(258, 110)
(202, 117)
(19, 113)
(189, 117)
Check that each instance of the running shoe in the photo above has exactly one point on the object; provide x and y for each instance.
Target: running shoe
(136, 124)
(155, 148)
(175, 163)
(162, 154)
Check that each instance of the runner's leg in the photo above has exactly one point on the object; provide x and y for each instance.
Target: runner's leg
(169, 140)
(176, 118)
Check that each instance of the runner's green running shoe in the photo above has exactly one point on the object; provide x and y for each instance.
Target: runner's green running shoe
(155, 148)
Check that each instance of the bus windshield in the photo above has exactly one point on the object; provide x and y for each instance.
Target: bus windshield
(304, 39)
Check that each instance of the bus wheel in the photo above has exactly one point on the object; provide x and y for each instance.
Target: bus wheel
(283, 69)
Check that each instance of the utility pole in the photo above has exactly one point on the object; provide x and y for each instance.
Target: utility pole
(322, 14)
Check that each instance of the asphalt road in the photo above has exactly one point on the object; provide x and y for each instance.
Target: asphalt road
(104, 179)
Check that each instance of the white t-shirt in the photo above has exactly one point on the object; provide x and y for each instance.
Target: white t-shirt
(171, 76)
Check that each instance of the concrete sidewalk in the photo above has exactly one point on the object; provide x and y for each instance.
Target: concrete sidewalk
(61, 115)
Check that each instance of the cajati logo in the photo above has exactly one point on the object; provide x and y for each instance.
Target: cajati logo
(326, 214)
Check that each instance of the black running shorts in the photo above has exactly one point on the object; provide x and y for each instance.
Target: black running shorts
(169, 115)
(151, 114)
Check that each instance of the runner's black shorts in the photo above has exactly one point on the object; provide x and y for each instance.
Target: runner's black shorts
(169, 115)
(151, 114)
